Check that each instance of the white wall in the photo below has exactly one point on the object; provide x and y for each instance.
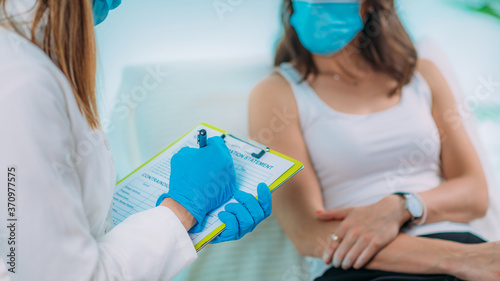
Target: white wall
(158, 31)
(163, 31)
(155, 31)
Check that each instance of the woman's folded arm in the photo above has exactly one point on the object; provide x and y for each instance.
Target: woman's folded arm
(273, 109)
(296, 204)
(464, 195)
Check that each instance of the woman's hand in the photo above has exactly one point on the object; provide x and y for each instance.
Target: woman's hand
(242, 218)
(477, 262)
(364, 231)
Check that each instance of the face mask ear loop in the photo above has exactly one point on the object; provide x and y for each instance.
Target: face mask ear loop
(368, 14)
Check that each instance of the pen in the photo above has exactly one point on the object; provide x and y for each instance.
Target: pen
(202, 138)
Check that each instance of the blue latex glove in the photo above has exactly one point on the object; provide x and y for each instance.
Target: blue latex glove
(102, 8)
(242, 218)
(202, 179)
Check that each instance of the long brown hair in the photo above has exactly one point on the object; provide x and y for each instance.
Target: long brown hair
(69, 41)
(383, 42)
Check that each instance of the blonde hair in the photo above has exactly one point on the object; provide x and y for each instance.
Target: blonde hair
(69, 41)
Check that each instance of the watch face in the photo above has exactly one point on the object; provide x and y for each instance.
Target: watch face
(414, 206)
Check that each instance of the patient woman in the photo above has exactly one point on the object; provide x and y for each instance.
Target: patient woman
(391, 179)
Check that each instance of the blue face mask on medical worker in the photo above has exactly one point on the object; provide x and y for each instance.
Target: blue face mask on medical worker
(325, 27)
(102, 8)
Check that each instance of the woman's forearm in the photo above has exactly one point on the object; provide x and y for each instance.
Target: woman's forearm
(417, 255)
(464, 195)
(406, 254)
(461, 199)
(312, 239)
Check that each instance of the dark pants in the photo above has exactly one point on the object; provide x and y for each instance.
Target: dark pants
(338, 274)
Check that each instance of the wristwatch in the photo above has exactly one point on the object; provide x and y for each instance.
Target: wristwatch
(413, 204)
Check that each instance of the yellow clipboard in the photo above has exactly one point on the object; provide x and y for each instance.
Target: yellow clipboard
(297, 166)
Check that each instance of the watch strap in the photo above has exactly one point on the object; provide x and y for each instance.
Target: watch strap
(406, 196)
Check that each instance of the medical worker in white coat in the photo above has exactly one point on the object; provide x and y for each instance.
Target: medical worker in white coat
(56, 160)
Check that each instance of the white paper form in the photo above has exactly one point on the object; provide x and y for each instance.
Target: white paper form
(139, 191)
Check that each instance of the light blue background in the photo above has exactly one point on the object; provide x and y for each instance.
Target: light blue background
(146, 31)
(169, 31)
(192, 33)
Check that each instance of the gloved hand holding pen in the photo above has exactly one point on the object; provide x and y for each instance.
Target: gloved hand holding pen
(202, 179)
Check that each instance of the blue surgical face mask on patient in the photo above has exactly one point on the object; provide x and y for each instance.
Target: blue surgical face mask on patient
(102, 8)
(325, 27)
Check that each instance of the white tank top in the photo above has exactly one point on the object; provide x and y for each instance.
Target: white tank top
(360, 159)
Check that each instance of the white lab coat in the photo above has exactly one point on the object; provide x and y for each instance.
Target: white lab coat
(65, 180)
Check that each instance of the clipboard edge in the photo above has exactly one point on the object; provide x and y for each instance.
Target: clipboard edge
(297, 167)
(161, 152)
(292, 171)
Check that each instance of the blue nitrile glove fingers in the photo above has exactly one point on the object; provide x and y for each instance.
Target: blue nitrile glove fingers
(101, 9)
(251, 205)
(232, 228)
(242, 218)
(202, 180)
(265, 199)
(245, 219)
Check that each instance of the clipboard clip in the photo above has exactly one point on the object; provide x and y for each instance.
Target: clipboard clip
(262, 149)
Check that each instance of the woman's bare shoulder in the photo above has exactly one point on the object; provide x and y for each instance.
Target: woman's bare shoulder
(430, 72)
(443, 99)
(272, 90)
